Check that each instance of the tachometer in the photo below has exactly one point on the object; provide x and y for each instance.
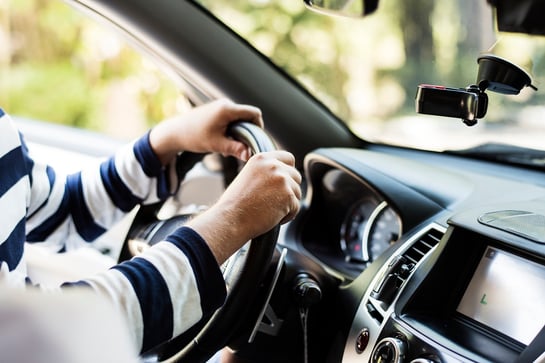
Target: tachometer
(368, 229)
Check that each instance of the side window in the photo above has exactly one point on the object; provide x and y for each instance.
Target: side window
(58, 66)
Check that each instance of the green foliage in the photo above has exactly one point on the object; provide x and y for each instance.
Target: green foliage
(370, 68)
(35, 89)
(58, 66)
(363, 69)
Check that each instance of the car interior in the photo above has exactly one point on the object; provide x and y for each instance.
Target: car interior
(401, 252)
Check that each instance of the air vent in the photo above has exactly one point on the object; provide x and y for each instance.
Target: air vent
(422, 246)
(401, 266)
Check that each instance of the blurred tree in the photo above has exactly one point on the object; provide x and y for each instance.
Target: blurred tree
(403, 44)
(363, 69)
(58, 66)
(296, 39)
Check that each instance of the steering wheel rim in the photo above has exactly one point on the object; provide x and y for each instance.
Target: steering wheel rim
(217, 331)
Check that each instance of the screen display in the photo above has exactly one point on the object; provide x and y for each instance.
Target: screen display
(507, 293)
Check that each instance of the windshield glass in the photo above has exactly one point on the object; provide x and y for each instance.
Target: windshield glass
(367, 70)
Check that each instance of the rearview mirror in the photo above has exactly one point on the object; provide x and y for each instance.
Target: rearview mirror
(352, 8)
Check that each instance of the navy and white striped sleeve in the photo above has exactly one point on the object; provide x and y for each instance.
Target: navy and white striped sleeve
(91, 201)
(165, 290)
(14, 194)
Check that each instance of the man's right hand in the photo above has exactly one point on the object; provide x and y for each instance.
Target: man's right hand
(265, 193)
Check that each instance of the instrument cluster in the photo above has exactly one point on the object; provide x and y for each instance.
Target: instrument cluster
(370, 226)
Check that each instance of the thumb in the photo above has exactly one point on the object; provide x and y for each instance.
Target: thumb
(236, 148)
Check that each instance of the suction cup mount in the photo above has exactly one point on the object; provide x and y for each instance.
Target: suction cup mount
(471, 103)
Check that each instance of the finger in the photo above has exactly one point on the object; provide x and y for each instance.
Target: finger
(283, 156)
(247, 113)
(242, 152)
(296, 188)
(292, 210)
(294, 179)
(295, 194)
(289, 160)
(296, 175)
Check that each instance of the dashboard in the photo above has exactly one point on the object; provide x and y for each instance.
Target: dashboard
(443, 257)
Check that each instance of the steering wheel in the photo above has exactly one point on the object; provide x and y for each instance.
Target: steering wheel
(243, 272)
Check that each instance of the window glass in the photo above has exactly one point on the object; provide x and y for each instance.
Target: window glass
(57, 65)
(366, 70)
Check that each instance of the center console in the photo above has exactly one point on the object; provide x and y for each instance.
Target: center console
(477, 295)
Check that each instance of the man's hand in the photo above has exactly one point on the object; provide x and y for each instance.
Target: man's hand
(265, 193)
(203, 130)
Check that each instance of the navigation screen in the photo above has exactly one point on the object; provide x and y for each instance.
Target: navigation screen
(507, 293)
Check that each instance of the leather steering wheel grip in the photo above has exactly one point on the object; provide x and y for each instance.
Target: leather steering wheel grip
(251, 135)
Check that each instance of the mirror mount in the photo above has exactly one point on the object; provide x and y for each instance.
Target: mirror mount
(350, 8)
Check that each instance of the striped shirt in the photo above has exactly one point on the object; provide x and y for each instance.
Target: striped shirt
(163, 291)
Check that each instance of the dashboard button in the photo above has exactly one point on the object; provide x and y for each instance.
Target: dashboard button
(362, 340)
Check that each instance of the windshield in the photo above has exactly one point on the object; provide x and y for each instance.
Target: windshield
(367, 70)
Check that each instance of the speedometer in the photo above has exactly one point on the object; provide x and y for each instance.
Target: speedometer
(353, 230)
(385, 230)
(368, 229)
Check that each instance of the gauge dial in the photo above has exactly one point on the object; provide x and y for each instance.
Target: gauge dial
(368, 229)
(353, 230)
(384, 231)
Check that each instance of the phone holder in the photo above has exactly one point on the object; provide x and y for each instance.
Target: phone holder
(470, 104)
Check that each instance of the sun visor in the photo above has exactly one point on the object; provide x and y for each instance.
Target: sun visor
(520, 16)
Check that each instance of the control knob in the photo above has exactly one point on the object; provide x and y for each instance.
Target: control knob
(389, 350)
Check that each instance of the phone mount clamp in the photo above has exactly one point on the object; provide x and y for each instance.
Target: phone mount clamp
(471, 103)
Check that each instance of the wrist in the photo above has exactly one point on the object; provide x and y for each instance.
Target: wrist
(221, 231)
(166, 141)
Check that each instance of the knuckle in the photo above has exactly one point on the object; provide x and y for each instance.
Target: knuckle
(223, 105)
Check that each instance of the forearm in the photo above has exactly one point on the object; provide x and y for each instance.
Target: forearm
(166, 290)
